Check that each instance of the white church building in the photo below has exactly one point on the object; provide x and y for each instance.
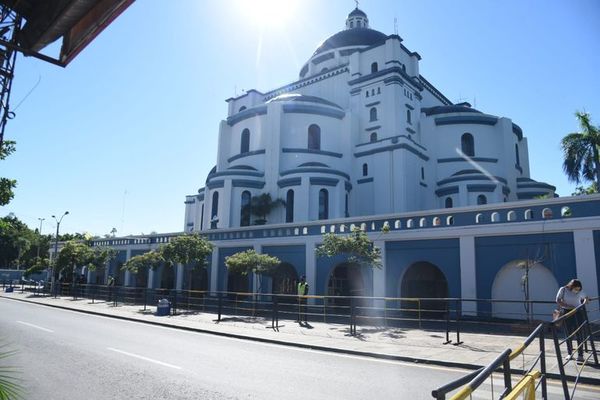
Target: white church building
(361, 132)
(362, 139)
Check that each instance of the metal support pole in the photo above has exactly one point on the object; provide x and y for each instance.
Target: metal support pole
(561, 367)
(220, 305)
(543, 365)
(448, 340)
(506, 370)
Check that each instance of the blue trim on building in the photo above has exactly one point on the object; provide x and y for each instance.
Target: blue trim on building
(247, 113)
(529, 195)
(481, 188)
(446, 191)
(505, 190)
(409, 130)
(373, 128)
(394, 140)
(242, 155)
(323, 58)
(215, 184)
(480, 177)
(459, 159)
(535, 185)
(315, 170)
(390, 148)
(233, 173)
(347, 186)
(364, 180)
(324, 181)
(373, 104)
(294, 255)
(245, 183)
(518, 168)
(283, 183)
(517, 131)
(423, 184)
(311, 151)
(312, 109)
(466, 119)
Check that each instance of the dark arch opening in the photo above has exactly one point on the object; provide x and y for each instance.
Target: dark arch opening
(467, 144)
(344, 280)
(285, 280)
(167, 277)
(424, 280)
(237, 283)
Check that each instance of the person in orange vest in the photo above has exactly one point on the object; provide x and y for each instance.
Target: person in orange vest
(302, 292)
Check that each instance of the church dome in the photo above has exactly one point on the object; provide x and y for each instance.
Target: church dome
(351, 37)
(357, 13)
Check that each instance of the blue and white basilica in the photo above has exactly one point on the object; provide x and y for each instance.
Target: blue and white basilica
(362, 139)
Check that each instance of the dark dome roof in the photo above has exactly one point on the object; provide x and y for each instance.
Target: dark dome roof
(351, 37)
(456, 108)
(302, 97)
(356, 11)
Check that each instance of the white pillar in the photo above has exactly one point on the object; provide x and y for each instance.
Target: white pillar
(311, 268)
(179, 277)
(214, 270)
(585, 261)
(468, 282)
(127, 273)
(150, 278)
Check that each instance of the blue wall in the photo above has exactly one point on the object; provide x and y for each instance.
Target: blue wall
(555, 251)
(597, 249)
(325, 266)
(443, 253)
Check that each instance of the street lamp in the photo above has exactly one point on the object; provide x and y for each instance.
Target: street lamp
(40, 233)
(58, 221)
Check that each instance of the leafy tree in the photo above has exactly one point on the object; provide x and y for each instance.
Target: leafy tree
(152, 259)
(10, 387)
(190, 249)
(248, 261)
(581, 152)
(7, 147)
(356, 247)
(39, 264)
(581, 190)
(15, 241)
(75, 254)
(262, 205)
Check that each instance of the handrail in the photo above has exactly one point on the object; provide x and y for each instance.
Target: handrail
(527, 383)
(516, 352)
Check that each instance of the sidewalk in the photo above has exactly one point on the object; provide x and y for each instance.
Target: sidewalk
(406, 344)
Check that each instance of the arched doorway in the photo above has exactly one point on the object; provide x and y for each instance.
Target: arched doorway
(196, 279)
(167, 277)
(510, 283)
(423, 280)
(345, 280)
(237, 283)
(285, 280)
(139, 279)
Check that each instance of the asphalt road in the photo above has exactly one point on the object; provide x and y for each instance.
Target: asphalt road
(69, 355)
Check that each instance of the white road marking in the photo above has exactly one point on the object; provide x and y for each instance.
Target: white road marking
(35, 326)
(144, 358)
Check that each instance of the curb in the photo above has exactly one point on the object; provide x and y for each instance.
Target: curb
(381, 356)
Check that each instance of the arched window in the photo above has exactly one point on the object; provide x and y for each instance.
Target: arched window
(365, 169)
(408, 117)
(214, 211)
(245, 147)
(314, 137)
(481, 199)
(289, 206)
(374, 67)
(467, 145)
(245, 208)
(449, 202)
(323, 204)
(352, 24)
(373, 114)
(374, 137)
(517, 154)
(242, 108)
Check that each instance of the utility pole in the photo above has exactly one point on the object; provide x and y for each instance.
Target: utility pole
(40, 233)
(58, 221)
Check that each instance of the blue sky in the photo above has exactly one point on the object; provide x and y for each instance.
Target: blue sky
(130, 127)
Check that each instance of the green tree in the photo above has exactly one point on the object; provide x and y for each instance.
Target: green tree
(248, 261)
(15, 241)
(152, 259)
(262, 205)
(581, 152)
(190, 249)
(10, 387)
(356, 246)
(7, 186)
(38, 264)
(78, 254)
(581, 190)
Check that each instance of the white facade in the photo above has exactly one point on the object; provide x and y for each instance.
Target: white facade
(360, 133)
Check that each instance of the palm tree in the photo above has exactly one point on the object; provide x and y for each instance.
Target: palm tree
(582, 152)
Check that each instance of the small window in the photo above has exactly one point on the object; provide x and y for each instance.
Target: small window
(314, 137)
(422, 173)
(373, 137)
(408, 117)
(511, 216)
(323, 204)
(481, 199)
(245, 145)
(373, 114)
(374, 67)
(372, 92)
(437, 221)
(378, 90)
(409, 223)
(528, 215)
(242, 108)
(351, 24)
(479, 218)
(365, 169)
(467, 144)
(449, 202)
(546, 213)
(245, 208)
(289, 206)
(565, 212)
(367, 93)
(517, 154)
(495, 217)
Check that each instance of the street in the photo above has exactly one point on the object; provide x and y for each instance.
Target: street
(70, 355)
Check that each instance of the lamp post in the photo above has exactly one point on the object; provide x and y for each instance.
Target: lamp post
(40, 233)
(58, 221)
